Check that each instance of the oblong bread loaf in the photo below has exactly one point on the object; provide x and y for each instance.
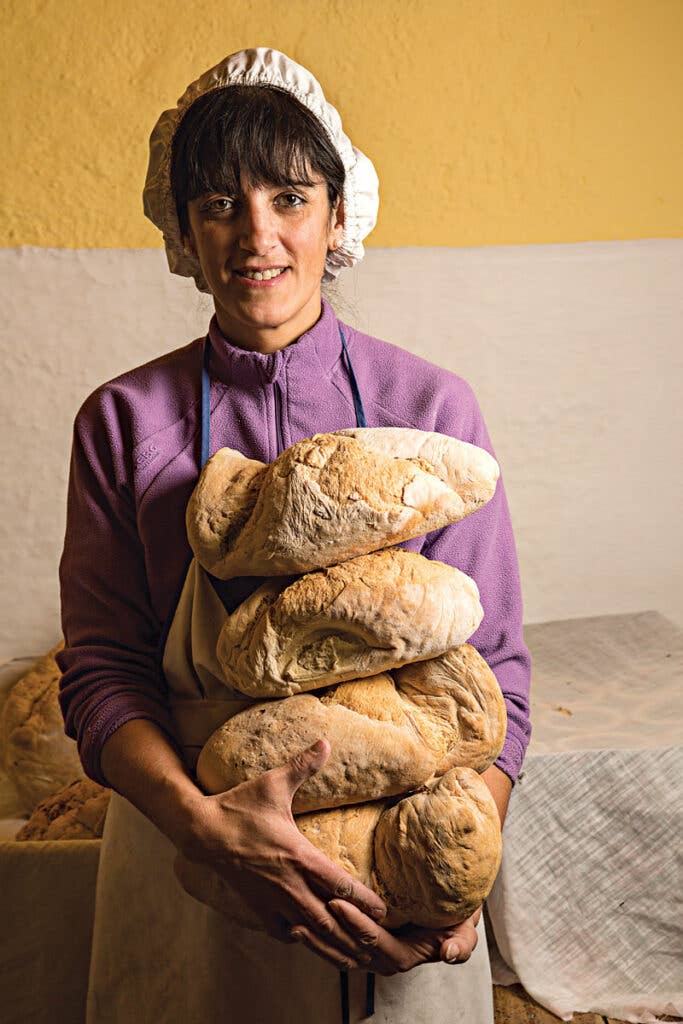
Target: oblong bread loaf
(372, 756)
(438, 851)
(332, 497)
(356, 619)
(388, 736)
(76, 811)
(346, 835)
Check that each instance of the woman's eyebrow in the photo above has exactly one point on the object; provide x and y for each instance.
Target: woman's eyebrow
(294, 183)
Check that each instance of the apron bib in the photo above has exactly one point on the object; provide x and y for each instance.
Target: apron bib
(161, 957)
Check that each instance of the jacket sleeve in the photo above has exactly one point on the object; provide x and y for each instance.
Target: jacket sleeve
(110, 671)
(482, 545)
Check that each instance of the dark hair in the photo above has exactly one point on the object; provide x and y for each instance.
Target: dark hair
(249, 133)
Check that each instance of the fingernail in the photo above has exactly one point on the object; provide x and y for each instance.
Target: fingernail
(452, 952)
(317, 746)
(295, 935)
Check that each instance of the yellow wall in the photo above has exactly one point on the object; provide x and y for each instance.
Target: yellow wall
(489, 121)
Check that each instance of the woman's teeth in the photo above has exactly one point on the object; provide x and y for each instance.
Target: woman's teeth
(257, 275)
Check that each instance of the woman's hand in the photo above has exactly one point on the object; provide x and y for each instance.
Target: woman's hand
(248, 836)
(408, 947)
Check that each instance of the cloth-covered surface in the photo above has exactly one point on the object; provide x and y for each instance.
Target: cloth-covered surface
(586, 911)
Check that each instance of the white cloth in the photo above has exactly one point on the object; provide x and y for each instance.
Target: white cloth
(586, 911)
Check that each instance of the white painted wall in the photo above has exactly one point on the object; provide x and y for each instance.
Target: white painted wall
(574, 351)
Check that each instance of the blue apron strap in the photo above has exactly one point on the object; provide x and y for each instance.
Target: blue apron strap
(357, 400)
(206, 402)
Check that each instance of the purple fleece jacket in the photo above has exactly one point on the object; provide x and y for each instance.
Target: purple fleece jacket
(134, 463)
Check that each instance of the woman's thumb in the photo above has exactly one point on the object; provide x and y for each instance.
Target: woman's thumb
(306, 763)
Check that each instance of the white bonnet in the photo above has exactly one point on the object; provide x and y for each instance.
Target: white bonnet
(261, 66)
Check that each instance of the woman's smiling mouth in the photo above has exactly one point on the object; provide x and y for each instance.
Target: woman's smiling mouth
(261, 276)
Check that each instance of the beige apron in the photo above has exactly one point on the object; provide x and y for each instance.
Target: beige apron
(161, 957)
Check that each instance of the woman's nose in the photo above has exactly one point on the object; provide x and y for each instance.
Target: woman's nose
(257, 226)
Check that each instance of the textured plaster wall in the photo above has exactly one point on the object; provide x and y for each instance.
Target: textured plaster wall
(489, 121)
(573, 351)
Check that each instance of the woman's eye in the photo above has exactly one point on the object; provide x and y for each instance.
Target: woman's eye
(221, 205)
(292, 195)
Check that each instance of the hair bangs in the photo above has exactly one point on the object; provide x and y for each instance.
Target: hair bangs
(250, 135)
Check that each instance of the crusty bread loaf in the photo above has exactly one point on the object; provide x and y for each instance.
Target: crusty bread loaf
(348, 621)
(220, 506)
(332, 497)
(36, 755)
(76, 811)
(387, 736)
(437, 852)
(432, 856)
(370, 758)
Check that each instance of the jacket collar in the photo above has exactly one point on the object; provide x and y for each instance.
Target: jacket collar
(233, 365)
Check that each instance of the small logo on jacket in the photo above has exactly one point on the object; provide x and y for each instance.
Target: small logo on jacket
(142, 458)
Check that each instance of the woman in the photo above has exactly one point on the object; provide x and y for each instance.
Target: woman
(250, 175)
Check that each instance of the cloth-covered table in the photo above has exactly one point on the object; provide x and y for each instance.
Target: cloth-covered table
(587, 909)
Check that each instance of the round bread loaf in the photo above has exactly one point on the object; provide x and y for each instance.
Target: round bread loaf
(348, 621)
(437, 852)
(76, 811)
(332, 497)
(37, 756)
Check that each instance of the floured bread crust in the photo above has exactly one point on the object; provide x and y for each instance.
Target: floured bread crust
(37, 756)
(76, 811)
(348, 621)
(387, 735)
(470, 470)
(332, 497)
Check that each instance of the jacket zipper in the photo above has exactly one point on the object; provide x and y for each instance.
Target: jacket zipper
(277, 392)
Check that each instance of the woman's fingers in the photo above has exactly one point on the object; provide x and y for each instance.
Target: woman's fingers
(285, 781)
(319, 924)
(461, 940)
(332, 882)
(390, 955)
(344, 961)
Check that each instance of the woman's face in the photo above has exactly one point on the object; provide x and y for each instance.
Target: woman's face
(270, 226)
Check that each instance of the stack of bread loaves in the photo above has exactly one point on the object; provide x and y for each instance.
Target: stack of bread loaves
(366, 647)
